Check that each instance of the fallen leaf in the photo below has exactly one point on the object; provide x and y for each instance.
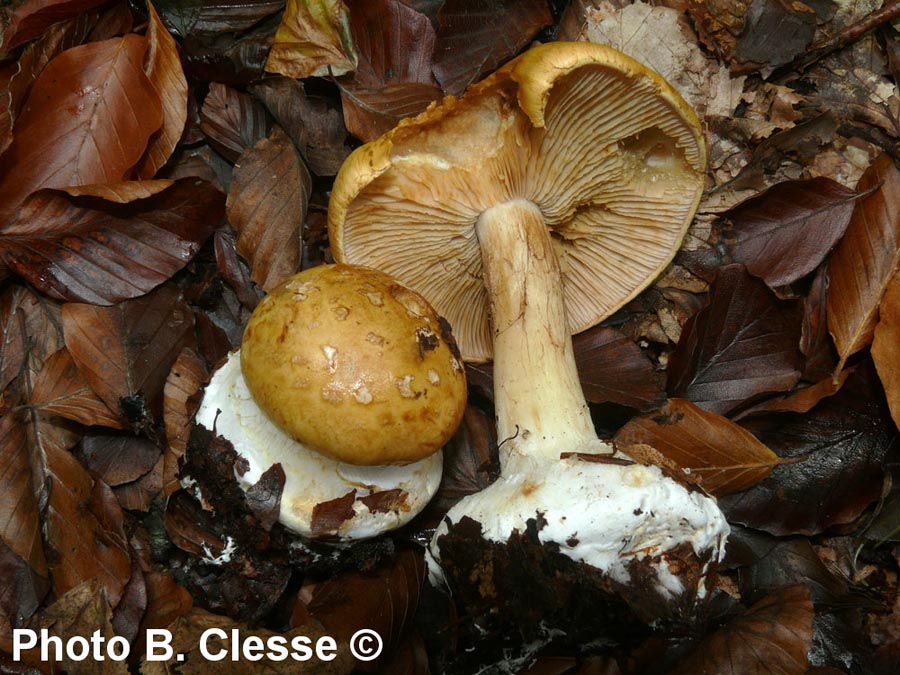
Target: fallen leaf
(84, 610)
(471, 462)
(88, 249)
(232, 120)
(32, 62)
(841, 444)
(801, 400)
(264, 496)
(660, 38)
(773, 636)
(769, 564)
(865, 260)
(212, 17)
(885, 344)
(118, 459)
(164, 70)
(32, 18)
(191, 528)
(30, 326)
(115, 20)
(393, 78)
(327, 517)
(166, 601)
(314, 123)
(852, 85)
(234, 271)
(127, 350)
(474, 37)
(140, 494)
(83, 527)
(224, 58)
(20, 525)
(784, 233)
(742, 344)
(267, 206)
(183, 383)
(383, 599)
(815, 340)
(793, 22)
(61, 389)
(313, 39)
(24, 589)
(371, 111)
(613, 368)
(727, 457)
(87, 120)
(127, 616)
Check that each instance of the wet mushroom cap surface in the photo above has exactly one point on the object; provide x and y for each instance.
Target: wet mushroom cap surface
(606, 150)
(355, 366)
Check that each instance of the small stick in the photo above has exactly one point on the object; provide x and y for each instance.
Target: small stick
(846, 36)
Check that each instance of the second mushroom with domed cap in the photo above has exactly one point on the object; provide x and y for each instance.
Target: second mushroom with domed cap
(352, 383)
(547, 197)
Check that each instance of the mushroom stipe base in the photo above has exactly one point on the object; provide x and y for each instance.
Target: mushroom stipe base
(523, 596)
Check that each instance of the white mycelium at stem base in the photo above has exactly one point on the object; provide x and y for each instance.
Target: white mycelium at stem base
(606, 515)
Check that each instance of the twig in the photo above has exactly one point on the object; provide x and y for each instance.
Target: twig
(847, 35)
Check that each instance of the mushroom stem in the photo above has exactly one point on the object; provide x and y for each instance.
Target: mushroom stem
(541, 411)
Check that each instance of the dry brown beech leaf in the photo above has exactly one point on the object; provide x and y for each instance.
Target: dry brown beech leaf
(184, 381)
(84, 528)
(784, 233)
(383, 599)
(394, 76)
(20, 525)
(60, 389)
(81, 611)
(865, 260)
(32, 61)
(140, 494)
(190, 527)
(118, 459)
(773, 636)
(87, 120)
(78, 244)
(800, 401)
(744, 343)
(314, 122)
(475, 37)
(233, 121)
(815, 341)
(267, 206)
(612, 367)
(886, 347)
(164, 70)
(31, 19)
(127, 350)
(313, 39)
(30, 326)
(166, 600)
(726, 457)
(328, 516)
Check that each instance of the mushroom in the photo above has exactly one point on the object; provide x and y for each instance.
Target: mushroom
(353, 384)
(547, 197)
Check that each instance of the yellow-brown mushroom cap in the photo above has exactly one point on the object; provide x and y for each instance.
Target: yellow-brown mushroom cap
(609, 152)
(352, 364)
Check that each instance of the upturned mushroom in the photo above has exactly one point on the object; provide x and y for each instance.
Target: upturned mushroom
(547, 197)
(353, 383)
